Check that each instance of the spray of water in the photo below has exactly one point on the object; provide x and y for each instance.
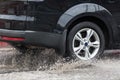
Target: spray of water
(39, 59)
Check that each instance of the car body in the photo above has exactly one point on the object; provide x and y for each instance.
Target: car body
(48, 22)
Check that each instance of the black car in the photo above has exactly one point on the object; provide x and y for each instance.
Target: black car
(77, 28)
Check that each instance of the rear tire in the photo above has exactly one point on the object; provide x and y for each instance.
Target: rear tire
(85, 41)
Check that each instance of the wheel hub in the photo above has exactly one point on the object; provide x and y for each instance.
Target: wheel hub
(86, 44)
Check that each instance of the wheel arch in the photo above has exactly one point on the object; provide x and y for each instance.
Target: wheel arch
(103, 26)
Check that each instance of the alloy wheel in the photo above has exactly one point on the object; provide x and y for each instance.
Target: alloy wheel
(86, 44)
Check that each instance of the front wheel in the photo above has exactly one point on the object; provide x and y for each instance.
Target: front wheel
(85, 41)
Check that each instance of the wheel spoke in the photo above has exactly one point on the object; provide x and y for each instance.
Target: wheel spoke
(89, 33)
(87, 53)
(95, 44)
(77, 50)
(79, 37)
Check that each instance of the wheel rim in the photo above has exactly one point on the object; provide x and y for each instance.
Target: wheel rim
(86, 44)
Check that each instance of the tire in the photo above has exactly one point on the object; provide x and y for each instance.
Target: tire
(85, 41)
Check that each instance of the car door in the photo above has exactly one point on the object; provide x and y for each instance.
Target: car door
(114, 7)
(45, 13)
(13, 14)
